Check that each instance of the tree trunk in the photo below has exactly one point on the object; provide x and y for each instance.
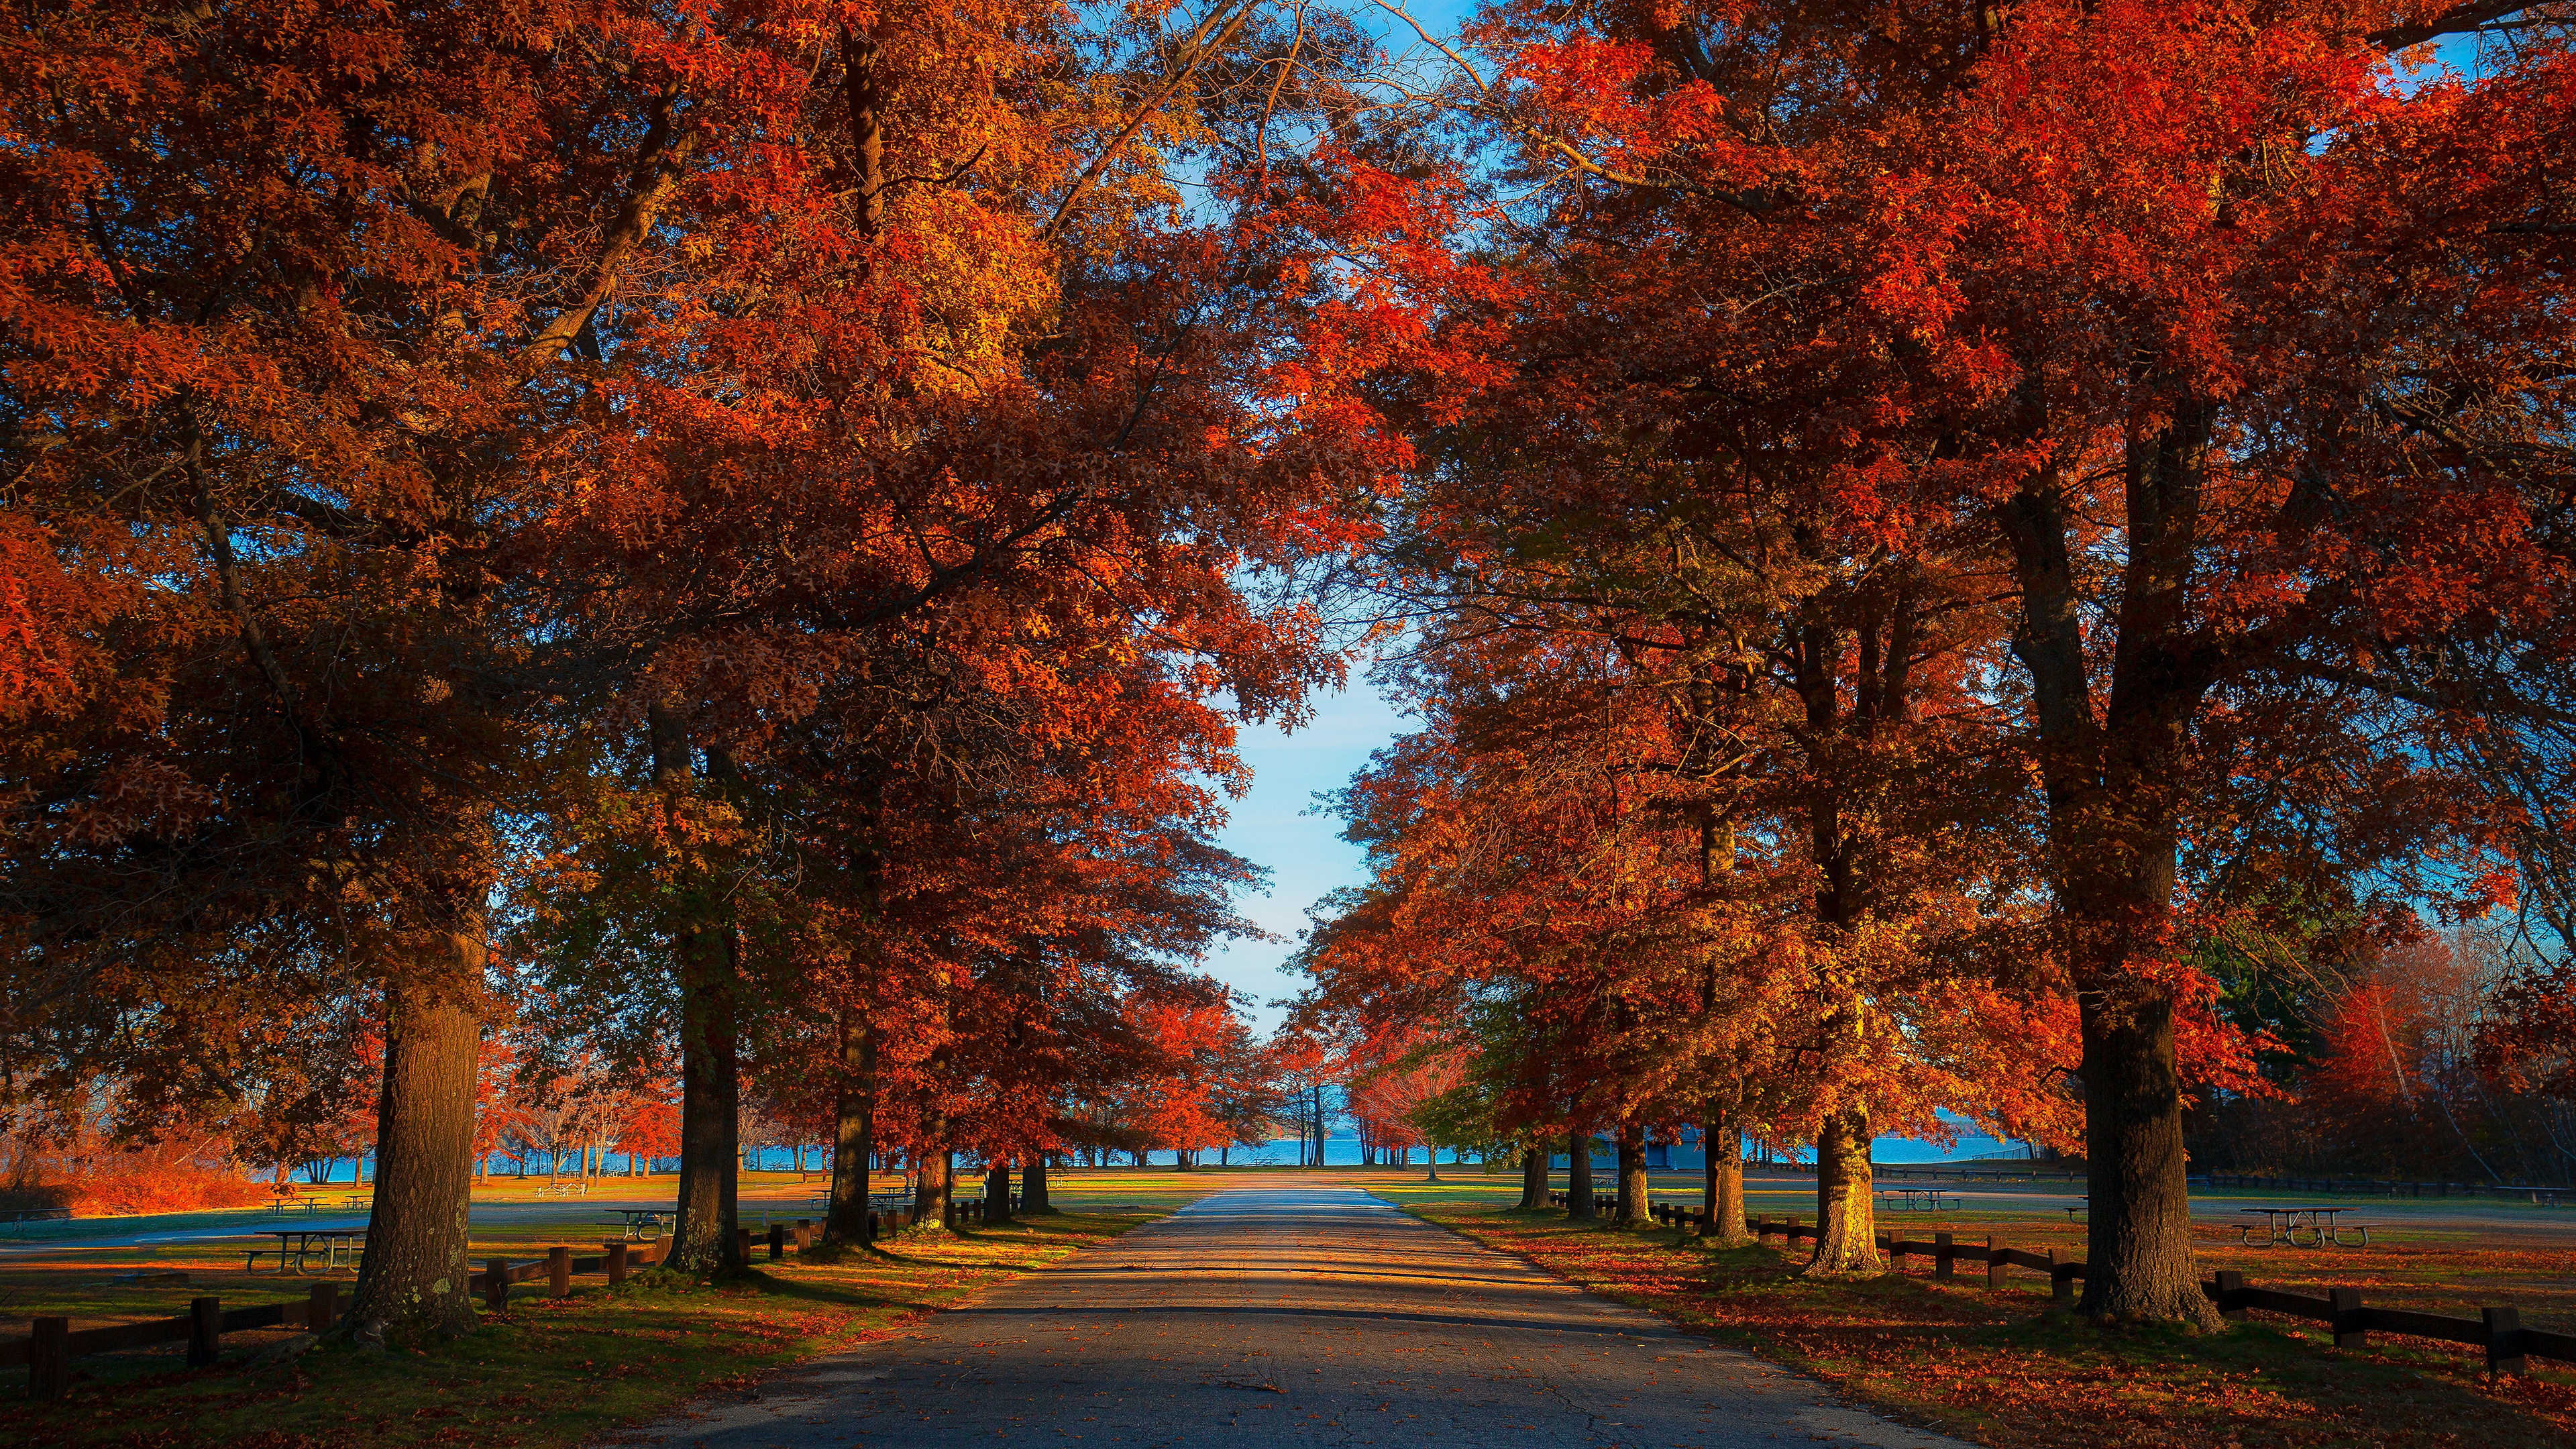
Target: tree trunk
(997, 1191)
(1533, 1175)
(411, 1281)
(1632, 1176)
(702, 1231)
(1578, 1175)
(2111, 778)
(2138, 1257)
(931, 1180)
(1846, 1227)
(1033, 1187)
(854, 1134)
(1722, 1198)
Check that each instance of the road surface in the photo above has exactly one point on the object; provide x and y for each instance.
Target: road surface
(1288, 1313)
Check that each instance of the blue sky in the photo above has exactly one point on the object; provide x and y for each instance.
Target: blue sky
(1279, 826)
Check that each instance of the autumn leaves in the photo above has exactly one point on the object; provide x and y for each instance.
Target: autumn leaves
(730, 535)
(1943, 534)
(745, 533)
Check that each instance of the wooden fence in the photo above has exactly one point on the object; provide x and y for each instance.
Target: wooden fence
(2499, 1331)
(48, 1350)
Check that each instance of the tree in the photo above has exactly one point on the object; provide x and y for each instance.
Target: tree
(1861, 293)
(301, 304)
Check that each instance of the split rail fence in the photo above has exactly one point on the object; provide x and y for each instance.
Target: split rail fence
(2508, 1345)
(49, 1349)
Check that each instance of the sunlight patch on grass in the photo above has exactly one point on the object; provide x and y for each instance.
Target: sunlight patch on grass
(549, 1371)
(2007, 1369)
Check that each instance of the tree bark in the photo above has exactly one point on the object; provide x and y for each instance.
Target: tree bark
(702, 1231)
(854, 1134)
(1846, 1226)
(1033, 1187)
(411, 1281)
(1578, 1175)
(2139, 1264)
(1722, 1198)
(931, 1181)
(2111, 781)
(1632, 1176)
(1533, 1175)
(997, 1191)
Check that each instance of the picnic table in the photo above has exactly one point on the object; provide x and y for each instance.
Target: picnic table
(296, 1248)
(2284, 1224)
(878, 1202)
(288, 1202)
(645, 1225)
(1925, 1199)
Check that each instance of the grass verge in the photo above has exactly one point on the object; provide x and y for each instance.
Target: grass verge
(2003, 1369)
(548, 1371)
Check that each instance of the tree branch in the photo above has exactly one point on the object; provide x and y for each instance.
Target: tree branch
(2454, 21)
(658, 167)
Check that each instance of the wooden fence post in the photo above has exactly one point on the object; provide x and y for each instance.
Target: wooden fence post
(616, 1265)
(2230, 1283)
(2504, 1341)
(2346, 1306)
(804, 1234)
(49, 1360)
(1896, 1252)
(559, 1272)
(1944, 1251)
(2061, 1283)
(496, 1285)
(777, 1241)
(1789, 1234)
(321, 1306)
(1996, 1268)
(205, 1330)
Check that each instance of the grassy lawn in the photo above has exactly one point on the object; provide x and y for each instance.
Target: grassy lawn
(2002, 1368)
(547, 1372)
(93, 1270)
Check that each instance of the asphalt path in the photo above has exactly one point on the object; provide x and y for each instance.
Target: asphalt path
(1287, 1313)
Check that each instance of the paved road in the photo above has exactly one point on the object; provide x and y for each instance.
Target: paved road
(1287, 1314)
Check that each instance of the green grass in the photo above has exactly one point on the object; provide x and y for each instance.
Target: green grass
(71, 1270)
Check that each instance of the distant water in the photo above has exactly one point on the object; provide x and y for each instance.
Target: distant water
(1345, 1152)
(1339, 1151)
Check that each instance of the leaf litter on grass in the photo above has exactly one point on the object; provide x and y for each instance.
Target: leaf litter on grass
(2006, 1369)
(549, 1371)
